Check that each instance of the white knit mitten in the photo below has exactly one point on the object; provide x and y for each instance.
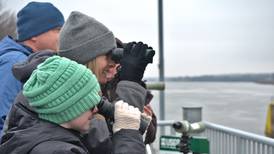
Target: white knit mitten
(126, 117)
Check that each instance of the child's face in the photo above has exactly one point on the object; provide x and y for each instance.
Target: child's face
(82, 123)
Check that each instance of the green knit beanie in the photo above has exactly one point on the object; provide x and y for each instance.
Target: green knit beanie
(61, 90)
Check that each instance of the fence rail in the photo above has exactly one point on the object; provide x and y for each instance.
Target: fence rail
(225, 140)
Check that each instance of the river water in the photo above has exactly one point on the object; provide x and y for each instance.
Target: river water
(238, 105)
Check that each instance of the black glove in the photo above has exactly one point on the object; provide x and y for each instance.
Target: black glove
(134, 61)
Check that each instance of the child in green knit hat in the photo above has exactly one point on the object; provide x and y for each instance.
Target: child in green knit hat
(63, 92)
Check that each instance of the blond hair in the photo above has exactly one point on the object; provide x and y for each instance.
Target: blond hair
(92, 66)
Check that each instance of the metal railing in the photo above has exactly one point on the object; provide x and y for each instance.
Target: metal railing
(225, 140)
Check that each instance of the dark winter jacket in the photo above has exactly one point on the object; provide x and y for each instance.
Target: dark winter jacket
(98, 139)
(11, 52)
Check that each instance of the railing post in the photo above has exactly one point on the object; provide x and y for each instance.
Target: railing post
(239, 145)
(161, 61)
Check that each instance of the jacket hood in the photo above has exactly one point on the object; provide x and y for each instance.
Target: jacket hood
(23, 70)
(7, 44)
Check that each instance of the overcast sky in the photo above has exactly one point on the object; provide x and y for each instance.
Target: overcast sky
(200, 36)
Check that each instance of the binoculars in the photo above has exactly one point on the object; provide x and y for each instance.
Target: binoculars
(117, 54)
(107, 110)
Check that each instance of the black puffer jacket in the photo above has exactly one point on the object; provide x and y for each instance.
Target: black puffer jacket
(23, 117)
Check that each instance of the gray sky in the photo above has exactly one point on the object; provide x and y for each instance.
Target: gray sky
(201, 36)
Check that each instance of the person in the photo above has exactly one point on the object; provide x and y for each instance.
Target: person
(64, 94)
(109, 89)
(38, 27)
(89, 42)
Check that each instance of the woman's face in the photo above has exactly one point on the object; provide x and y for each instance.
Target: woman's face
(111, 69)
(101, 69)
(104, 68)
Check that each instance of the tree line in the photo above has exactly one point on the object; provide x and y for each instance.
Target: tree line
(7, 21)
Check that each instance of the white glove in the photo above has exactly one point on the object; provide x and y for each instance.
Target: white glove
(126, 117)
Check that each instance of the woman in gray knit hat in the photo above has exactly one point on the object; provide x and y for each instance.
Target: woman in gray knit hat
(89, 42)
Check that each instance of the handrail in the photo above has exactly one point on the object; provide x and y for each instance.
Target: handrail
(165, 122)
(156, 86)
(240, 133)
(230, 140)
(232, 131)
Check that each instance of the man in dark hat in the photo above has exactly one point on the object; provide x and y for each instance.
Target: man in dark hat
(38, 26)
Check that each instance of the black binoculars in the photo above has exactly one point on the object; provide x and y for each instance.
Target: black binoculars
(117, 54)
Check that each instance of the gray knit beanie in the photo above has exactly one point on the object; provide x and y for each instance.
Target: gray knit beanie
(82, 38)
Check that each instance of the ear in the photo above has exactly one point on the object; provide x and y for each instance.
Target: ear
(31, 43)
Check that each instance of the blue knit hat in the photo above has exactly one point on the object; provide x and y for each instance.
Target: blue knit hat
(36, 18)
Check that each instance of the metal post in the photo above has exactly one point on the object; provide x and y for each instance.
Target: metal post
(161, 63)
